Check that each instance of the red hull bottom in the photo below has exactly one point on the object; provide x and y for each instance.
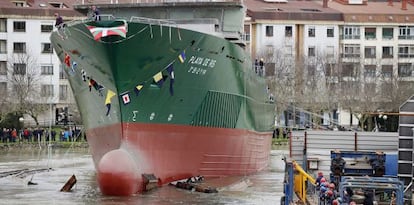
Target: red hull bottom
(172, 152)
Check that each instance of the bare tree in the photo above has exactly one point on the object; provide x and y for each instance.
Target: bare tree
(318, 94)
(24, 77)
(280, 78)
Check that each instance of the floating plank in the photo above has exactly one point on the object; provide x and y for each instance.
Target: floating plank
(69, 184)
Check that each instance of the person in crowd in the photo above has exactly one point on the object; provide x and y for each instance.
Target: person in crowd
(13, 135)
(96, 13)
(2, 138)
(53, 134)
(58, 21)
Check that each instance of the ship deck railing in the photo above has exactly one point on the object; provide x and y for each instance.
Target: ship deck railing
(97, 2)
(152, 21)
(138, 19)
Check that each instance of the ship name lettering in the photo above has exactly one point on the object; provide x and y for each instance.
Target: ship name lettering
(206, 62)
(134, 117)
(212, 63)
(197, 70)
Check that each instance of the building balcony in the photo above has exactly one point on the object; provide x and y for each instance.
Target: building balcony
(351, 55)
(350, 37)
(406, 37)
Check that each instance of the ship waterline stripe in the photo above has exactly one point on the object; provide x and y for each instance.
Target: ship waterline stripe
(227, 169)
(222, 156)
(232, 163)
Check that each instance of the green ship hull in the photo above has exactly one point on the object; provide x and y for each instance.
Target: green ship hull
(162, 100)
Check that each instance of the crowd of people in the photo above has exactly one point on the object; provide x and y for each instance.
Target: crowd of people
(329, 195)
(11, 135)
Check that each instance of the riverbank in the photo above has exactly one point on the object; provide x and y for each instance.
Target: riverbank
(36, 145)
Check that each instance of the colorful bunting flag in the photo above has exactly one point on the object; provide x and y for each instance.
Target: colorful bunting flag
(170, 70)
(109, 95)
(125, 98)
(73, 67)
(181, 57)
(158, 79)
(138, 89)
(99, 32)
(67, 60)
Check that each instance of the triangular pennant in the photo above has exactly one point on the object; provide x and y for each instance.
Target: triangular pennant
(138, 89)
(109, 95)
(67, 60)
(182, 57)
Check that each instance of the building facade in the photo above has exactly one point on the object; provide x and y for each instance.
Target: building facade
(362, 46)
(27, 57)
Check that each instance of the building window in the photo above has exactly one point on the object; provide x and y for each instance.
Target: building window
(311, 70)
(21, 3)
(246, 33)
(46, 90)
(406, 32)
(387, 52)
(370, 70)
(386, 71)
(58, 5)
(404, 70)
(62, 73)
(370, 52)
(288, 31)
(288, 50)
(348, 69)
(47, 48)
(330, 51)
(311, 51)
(330, 69)
(387, 33)
(269, 31)
(370, 88)
(3, 46)
(3, 89)
(352, 32)
(351, 51)
(370, 33)
(19, 47)
(3, 25)
(330, 32)
(19, 26)
(63, 92)
(3, 67)
(19, 69)
(46, 28)
(406, 51)
(311, 31)
(46, 69)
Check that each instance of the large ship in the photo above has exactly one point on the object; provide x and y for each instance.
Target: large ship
(171, 93)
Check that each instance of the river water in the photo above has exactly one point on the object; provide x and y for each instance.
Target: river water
(266, 186)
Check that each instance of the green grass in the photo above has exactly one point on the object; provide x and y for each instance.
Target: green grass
(280, 141)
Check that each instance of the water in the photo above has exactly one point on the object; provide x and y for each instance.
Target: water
(266, 186)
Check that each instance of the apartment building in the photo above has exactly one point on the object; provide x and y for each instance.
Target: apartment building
(25, 50)
(366, 38)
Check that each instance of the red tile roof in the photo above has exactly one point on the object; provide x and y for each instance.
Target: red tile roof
(39, 8)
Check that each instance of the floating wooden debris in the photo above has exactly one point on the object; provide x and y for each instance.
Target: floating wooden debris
(69, 184)
(150, 181)
(194, 184)
(31, 183)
